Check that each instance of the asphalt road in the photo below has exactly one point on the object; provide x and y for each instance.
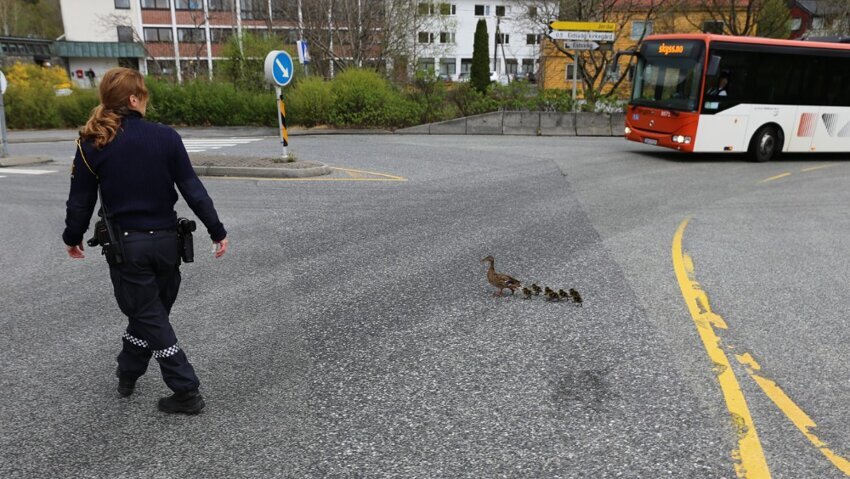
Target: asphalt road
(350, 331)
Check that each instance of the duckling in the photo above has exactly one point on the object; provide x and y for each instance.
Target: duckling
(563, 294)
(547, 290)
(527, 292)
(553, 296)
(499, 280)
(576, 297)
(536, 289)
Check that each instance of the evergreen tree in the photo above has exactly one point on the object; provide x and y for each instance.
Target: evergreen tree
(480, 74)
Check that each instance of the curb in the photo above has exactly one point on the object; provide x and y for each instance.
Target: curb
(255, 172)
(263, 132)
(24, 160)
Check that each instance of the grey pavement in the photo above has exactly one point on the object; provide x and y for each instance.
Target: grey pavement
(350, 332)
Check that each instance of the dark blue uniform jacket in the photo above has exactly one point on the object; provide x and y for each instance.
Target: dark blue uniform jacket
(137, 174)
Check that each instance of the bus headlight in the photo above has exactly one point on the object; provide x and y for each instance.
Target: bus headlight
(628, 130)
(681, 139)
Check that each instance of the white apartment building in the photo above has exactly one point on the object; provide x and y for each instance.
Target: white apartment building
(445, 36)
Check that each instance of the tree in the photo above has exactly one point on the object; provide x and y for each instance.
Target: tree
(593, 66)
(774, 19)
(480, 73)
(37, 18)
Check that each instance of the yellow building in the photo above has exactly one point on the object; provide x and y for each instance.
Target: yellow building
(636, 19)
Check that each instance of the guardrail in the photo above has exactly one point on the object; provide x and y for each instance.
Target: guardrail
(529, 123)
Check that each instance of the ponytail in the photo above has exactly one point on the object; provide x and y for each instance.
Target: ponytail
(102, 126)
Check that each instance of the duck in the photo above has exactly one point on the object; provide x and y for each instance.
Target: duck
(576, 297)
(500, 280)
(547, 290)
(563, 294)
(553, 296)
(536, 289)
(527, 292)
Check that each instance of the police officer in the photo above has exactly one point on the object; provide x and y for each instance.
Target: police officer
(136, 165)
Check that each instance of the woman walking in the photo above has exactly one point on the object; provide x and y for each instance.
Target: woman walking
(136, 165)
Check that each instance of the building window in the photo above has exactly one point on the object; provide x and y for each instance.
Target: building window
(482, 10)
(500, 10)
(448, 9)
(426, 37)
(796, 23)
(465, 66)
(190, 35)
(511, 66)
(125, 34)
(220, 35)
(255, 9)
(569, 72)
(503, 38)
(532, 39)
(426, 8)
(447, 37)
(532, 12)
(528, 65)
(448, 68)
(713, 27)
(216, 5)
(155, 4)
(641, 29)
(160, 34)
(123, 4)
(817, 23)
(188, 5)
(425, 65)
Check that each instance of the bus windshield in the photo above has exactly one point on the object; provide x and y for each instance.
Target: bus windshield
(669, 74)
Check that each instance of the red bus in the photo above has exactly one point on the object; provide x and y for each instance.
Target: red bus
(717, 93)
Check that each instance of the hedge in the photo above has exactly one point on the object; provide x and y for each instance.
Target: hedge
(353, 99)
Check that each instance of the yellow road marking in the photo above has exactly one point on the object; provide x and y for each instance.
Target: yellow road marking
(782, 175)
(384, 175)
(820, 167)
(750, 462)
(793, 412)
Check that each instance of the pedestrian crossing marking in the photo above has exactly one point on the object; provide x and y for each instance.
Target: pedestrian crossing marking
(197, 145)
(23, 171)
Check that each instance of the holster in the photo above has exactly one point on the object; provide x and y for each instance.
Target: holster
(185, 227)
(109, 237)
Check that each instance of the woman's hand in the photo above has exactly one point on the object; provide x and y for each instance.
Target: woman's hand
(75, 252)
(220, 247)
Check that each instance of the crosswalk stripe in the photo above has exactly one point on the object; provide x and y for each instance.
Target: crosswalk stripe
(21, 171)
(197, 145)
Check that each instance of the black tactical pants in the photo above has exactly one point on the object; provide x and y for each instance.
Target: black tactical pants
(146, 285)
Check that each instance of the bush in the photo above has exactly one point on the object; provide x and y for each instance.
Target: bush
(554, 100)
(310, 102)
(204, 103)
(516, 95)
(363, 99)
(31, 97)
(74, 109)
(470, 101)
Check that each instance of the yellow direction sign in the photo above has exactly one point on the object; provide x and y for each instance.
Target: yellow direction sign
(584, 26)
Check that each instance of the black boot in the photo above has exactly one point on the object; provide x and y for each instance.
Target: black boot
(125, 386)
(190, 402)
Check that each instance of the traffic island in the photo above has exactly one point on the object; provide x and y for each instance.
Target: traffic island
(256, 167)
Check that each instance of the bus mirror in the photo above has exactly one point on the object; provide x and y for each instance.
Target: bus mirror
(713, 65)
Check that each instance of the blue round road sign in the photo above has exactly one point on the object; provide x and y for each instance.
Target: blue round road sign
(279, 68)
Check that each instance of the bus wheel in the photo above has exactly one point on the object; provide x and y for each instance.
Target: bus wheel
(765, 144)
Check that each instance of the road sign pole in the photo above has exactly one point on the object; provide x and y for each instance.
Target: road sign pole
(281, 122)
(5, 152)
(575, 78)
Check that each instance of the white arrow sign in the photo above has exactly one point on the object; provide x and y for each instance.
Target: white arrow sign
(283, 68)
(574, 45)
(585, 36)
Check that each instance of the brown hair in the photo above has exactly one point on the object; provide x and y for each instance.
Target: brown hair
(115, 89)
